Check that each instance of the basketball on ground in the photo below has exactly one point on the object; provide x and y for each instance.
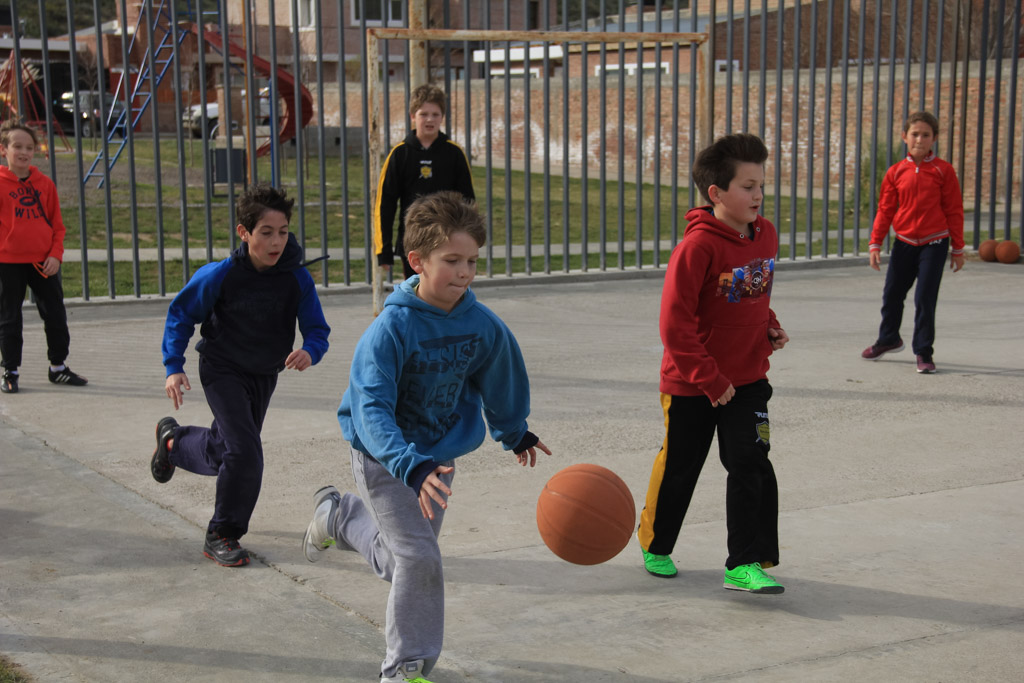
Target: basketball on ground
(987, 250)
(1008, 251)
(585, 514)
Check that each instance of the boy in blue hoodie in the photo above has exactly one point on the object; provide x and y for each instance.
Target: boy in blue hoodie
(428, 376)
(247, 306)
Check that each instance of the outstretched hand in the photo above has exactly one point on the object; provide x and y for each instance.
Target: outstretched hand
(530, 454)
(174, 385)
(431, 490)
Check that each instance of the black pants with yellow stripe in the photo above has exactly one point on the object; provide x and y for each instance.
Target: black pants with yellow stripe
(752, 497)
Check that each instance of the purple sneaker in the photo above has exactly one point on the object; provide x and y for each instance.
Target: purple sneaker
(876, 351)
(925, 365)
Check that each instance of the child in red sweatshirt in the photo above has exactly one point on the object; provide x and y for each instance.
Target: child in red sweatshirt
(31, 247)
(718, 331)
(920, 199)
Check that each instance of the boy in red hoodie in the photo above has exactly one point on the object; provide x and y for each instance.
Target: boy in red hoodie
(31, 247)
(718, 332)
(920, 199)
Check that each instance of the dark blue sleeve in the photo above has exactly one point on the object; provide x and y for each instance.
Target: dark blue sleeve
(189, 308)
(312, 323)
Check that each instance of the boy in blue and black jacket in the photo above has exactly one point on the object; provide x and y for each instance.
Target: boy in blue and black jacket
(247, 306)
(429, 375)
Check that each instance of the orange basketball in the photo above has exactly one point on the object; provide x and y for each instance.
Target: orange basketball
(987, 250)
(585, 514)
(1008, 251)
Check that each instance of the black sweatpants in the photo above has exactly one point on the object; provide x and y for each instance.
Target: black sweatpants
(752, 496)
(906, 264)
(231, 448)
(15, 279)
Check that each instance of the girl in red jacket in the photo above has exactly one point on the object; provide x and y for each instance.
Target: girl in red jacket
(31, 247)
(920, 199)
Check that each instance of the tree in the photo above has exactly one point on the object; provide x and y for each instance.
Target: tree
(56, 15)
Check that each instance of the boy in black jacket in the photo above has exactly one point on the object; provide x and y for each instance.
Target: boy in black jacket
(247, 306)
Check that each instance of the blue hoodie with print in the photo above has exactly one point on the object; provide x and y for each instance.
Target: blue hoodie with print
(424, 382)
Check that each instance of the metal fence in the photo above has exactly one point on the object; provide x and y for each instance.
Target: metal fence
(580, 151)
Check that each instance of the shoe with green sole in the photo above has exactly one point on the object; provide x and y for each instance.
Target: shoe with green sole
(659, 565)
(752, 579)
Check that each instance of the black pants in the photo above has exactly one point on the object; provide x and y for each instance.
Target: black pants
(231, 449)
(907, 263)
(752, 496)
(15, 279)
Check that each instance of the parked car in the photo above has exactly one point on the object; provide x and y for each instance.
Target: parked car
(192, 119)
(88, 111)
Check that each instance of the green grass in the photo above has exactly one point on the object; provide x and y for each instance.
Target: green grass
(190, 209)
(11, 673)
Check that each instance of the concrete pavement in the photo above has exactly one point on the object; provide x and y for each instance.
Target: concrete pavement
(901, 512)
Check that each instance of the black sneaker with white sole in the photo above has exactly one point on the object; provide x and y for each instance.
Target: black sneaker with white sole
(67, 376)
(161, 465)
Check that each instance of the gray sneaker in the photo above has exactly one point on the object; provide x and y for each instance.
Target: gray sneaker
(318, 536)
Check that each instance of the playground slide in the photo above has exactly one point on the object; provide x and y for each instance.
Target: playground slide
(285, 85)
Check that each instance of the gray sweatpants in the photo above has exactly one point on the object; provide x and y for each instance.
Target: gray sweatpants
(384, 524)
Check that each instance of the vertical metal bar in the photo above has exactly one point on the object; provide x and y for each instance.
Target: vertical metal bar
(368, 189)
(795, 132)
(777, 203)
(18, 66)
(858, 144)
(692, 147)
(546, 88)
(130, 134)
(892, 87)
(300, 189)
(996, 104)
(275, 97)
(908, 42)
(603, 154)
(182, 195)
(47, 91)
(343, 122)
(155, 125)
(584, 138)
(937, 95)
(844, 113)
(253, 118)
(812, 97)
(225, 122)
(675, 127)
(467, 104)
(488, 162)
(746, 66)
(527, 185)
(924, 55)
(1011, 121)
(982, 83)
(322, 150)
(565, 131)
(873, 152)
(105, 151)
(373, 163)
(638, 157)
(620, 148)
(729, 47)
(82, 222)
(204, 126)
(762, 95)
(508, 145)
(826, 184)
(656, 147)
(962, 159)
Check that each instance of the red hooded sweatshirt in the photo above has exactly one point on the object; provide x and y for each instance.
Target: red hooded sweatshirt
(714, 307)
(31, 227)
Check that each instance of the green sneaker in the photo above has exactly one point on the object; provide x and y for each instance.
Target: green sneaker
(751, 578)
(659, 565)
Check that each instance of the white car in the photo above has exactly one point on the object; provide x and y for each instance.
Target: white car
(192, 119)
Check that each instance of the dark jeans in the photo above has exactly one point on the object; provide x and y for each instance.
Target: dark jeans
(906, 264)
(15, 278)
(231, 448)
(752, 496)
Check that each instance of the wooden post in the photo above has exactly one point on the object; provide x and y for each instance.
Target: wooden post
(419, 67)
(373, 135)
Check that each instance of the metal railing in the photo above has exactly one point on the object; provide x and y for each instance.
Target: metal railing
(580, 152)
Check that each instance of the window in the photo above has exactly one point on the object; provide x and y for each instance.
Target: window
(375, 9)
(307, 14)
